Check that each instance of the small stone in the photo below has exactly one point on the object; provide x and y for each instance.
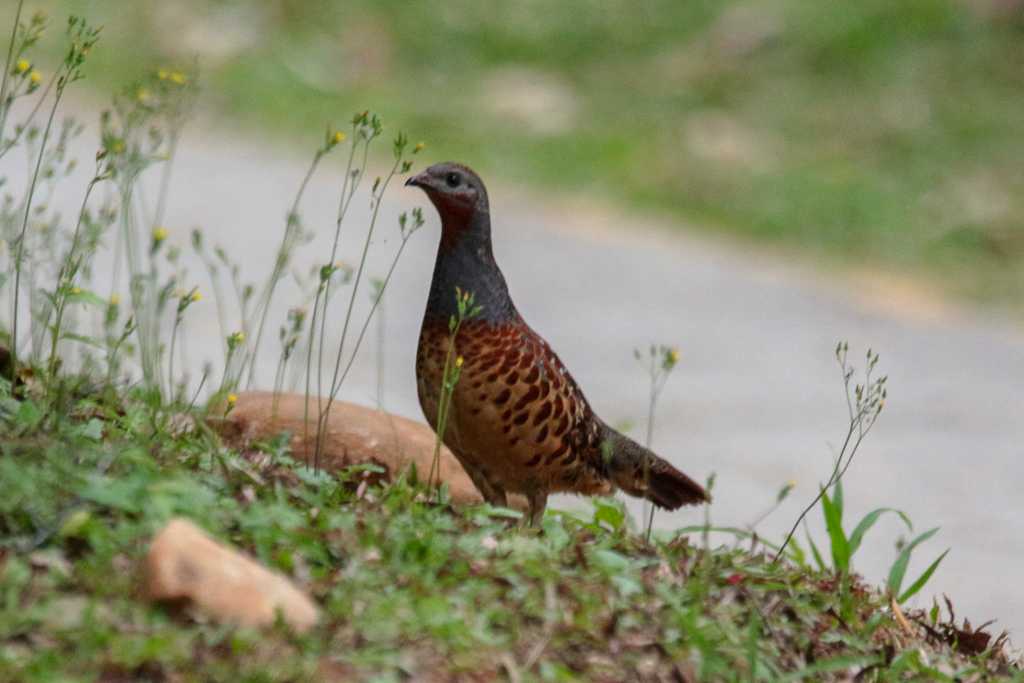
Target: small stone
(184, 563)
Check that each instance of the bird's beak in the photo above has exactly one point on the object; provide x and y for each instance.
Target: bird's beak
(419, 180)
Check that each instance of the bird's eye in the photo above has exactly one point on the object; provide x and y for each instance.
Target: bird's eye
(452, 179)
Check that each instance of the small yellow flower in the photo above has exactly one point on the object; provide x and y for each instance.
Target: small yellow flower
(338, 137)
(418, 148)
(791, 483)
(35, 78)
(239, 337)
(232, 399)
(177, 78)
(159, 234)
(162, 74)
(76, 290)
(673, 355)
(196, 297)
(459, 361)
(115, 300)
(22, 66)
(142, 95)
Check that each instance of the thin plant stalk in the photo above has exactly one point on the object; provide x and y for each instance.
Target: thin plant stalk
(661, 360)
(336, 380)
(165, 179)
(292, 224)
(65, 270)
(7, 69)
(465, 309)
(24, 225)
(183, 304)
(347, 193)
(447, 389)
(19, 131)
(323, 291)
(863, 412)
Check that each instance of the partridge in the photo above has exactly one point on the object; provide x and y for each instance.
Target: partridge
(517, 420)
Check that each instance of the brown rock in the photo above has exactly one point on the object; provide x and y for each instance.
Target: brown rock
(354, 435)
(184, 563)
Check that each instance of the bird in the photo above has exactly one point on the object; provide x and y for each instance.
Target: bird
(517, 420)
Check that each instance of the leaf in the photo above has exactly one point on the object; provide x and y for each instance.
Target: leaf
(502, 513)
(610, 561)
(613, 515)
(869, 521)
(88, 341)
(818, 559)
(837, 537)
(796, 553)
(899, 567)
(29, 415)
(93, 429)
(86, 297)
(921, 580)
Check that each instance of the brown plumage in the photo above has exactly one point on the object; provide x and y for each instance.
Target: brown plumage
(518, 421)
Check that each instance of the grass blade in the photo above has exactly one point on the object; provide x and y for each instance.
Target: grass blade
(818, 559)
(921, 580)
(837, 537)
(899, 567)
(869, 521)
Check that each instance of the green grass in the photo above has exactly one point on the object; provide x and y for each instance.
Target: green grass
(407, 587)
(876, 132)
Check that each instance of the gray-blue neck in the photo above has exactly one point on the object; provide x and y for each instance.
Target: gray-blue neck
(465, 259)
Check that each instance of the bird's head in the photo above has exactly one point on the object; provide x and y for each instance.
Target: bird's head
(456, 191)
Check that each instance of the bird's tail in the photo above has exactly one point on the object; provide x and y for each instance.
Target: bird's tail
(639, 472)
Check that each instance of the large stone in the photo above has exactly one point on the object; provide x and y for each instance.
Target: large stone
(354, 435)
(184, 563)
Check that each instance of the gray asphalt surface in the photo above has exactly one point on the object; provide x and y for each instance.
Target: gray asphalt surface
(757, 397)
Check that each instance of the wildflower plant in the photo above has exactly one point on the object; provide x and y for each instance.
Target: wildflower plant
(465, 308)
(367, 128)
(864, 403)
(81, 38)
(140, 135)
(659, 360)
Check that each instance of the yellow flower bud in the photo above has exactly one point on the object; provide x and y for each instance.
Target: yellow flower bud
(115, 300)
(159, 234)
(196, 296)
(35, 78)
(76, 290)
(162, 74)
(338, 137)
(418, 148)
(232, 399)
(22, 66)
(458, 362)
(177, 78)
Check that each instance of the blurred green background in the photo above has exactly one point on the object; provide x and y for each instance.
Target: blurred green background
(878, 133)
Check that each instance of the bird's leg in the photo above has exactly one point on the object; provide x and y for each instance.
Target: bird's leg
(538, 500)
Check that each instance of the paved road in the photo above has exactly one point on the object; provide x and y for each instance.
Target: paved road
(757, 397)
